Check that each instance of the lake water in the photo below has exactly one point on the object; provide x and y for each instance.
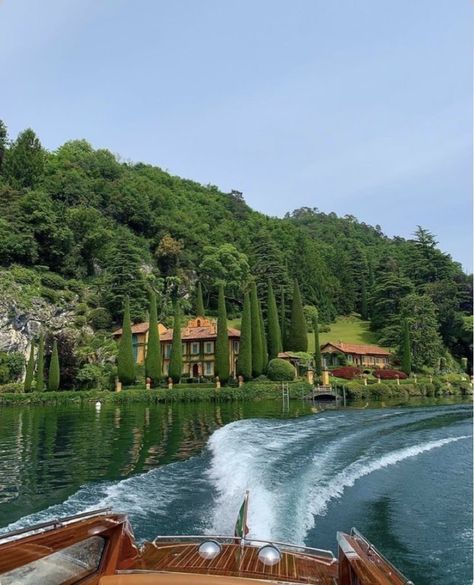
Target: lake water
(402, 475)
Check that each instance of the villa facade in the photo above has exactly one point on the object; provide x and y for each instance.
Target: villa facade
(362, 355)
(198, 339)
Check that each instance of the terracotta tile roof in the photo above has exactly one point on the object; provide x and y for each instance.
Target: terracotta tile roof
(141, 328)
(191, 333)
(287, 354)
(358, 349)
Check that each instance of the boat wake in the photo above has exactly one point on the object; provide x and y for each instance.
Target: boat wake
(294, 470)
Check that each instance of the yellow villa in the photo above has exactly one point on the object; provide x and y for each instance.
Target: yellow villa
(199, 340)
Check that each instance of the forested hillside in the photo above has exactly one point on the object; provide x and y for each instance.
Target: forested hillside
(85, 221)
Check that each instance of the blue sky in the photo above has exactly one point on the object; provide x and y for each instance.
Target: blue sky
(358, 107)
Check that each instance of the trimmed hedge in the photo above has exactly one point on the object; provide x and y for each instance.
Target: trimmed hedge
(346, 372)
(390, 374)
(356, 390)
(192, 393)
(281, 370)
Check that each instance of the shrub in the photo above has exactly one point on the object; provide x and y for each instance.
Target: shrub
(24, 275)
(81, 309)
(94, 376)
(53, 280)
(280, 370)
(49, 294)
(16, 388)
(80, 321)
(347, 372)
(100, 318)
(75, 285)
(11, 366)
(390, 374)
(342, 359)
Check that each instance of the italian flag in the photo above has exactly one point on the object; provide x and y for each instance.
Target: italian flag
(241, 529)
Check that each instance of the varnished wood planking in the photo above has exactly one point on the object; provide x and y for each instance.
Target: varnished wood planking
(235, 561)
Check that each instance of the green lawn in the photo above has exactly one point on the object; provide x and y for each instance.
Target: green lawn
(347, 329)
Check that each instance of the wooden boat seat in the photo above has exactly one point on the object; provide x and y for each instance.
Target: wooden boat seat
(173, 579)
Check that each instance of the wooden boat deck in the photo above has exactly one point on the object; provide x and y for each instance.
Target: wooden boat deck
(234, 561)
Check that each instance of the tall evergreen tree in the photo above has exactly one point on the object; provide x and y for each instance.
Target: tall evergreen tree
(24, 161)
(283, 331)
(125, 358)
(40, 366)
(405, 348)
(199, 301)
(264, 338)
(298, 335)
(257, 347)
(54, 372)
(222, 341)
(318, 362)
(244, 361)
(425, 342)
(267, 261)
(364, 309)
(153, 351)
(30, 369)
(176, 360)
(3, 142)
(274, 334)
(124, 277)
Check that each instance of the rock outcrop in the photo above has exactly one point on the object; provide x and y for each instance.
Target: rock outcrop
(20, 324)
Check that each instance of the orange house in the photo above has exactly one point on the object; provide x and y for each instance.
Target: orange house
(199, 346)
(139, 339)
(198, 339)
(355, 354)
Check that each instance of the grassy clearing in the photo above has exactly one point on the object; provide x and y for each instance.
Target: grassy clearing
(348, 329)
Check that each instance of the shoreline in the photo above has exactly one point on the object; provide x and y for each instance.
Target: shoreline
(249, 392)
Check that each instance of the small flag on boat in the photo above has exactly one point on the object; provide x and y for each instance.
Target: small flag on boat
(241, 528)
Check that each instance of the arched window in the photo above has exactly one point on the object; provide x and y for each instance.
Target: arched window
(199, 322)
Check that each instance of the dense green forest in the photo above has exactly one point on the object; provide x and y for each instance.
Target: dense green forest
(88, 222)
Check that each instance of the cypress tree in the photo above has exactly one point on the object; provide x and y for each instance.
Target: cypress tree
(40, 366)
(222, 341)
(153, 351)
(283, 321)
(30, 369)
(298, 336)
(274, 334)
(199, 301)
(257, 347)
(405, 353)
(125, 359)
(364, 310)
(53, 374)
(244, 361)
(264, 338)
(318, 362)
(176, 360)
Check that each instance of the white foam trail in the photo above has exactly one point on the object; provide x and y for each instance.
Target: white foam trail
(244, 456)
(322, 494)
(149, 498)
(283, 506)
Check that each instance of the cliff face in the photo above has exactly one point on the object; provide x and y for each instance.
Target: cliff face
(25, 310)
(19, 325)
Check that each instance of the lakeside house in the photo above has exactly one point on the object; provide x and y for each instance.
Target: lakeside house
(355, 354)
(198, 337)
